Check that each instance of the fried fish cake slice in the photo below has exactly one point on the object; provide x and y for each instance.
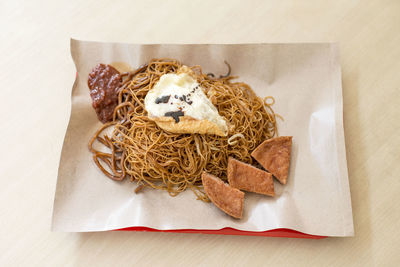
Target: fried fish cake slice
(230, 200)
(274, 155)
(243, 176)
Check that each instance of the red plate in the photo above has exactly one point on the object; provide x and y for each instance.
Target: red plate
(281, 232)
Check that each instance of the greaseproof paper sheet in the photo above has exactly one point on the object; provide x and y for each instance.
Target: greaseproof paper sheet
(304, 79)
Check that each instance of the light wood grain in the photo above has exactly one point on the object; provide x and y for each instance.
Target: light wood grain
(37, 74)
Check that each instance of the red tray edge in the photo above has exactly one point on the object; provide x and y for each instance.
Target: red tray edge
(280, 232)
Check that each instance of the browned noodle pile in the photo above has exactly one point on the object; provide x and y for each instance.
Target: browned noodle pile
(155, 158)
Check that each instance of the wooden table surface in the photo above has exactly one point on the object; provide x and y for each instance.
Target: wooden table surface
(37, 74)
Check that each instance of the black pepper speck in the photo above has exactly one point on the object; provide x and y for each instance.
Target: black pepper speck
(162, 99)
(175, 115)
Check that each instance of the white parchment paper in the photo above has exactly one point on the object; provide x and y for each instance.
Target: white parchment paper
(304, 79)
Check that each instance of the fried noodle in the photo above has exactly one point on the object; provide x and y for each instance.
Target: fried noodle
(140, 150)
